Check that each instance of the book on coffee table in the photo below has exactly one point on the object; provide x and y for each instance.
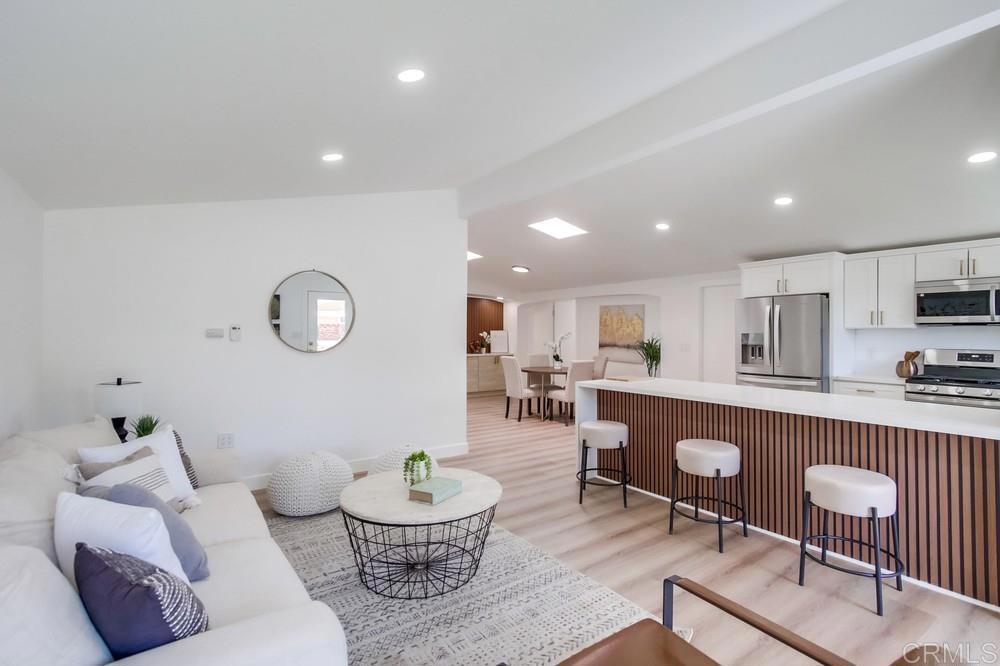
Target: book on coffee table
(435, 490)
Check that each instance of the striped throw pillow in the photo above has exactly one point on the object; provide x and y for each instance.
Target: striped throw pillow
(142, 469)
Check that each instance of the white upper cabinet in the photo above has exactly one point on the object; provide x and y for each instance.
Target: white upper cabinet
(794, 277)
(942, 265)
(761, 280)
(896, 298)
(878, 292)
(984, 261)
(806, 277)
(860, 293)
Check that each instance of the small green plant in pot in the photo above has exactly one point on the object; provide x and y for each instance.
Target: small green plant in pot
(144, 425)
(649, 352)
(417, 467)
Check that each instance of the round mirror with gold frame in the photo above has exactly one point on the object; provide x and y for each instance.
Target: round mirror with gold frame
(311, 311)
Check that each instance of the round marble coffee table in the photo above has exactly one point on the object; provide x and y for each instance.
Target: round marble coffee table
(409, 550)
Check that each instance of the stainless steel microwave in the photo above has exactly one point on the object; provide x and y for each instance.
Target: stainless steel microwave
(974, 301)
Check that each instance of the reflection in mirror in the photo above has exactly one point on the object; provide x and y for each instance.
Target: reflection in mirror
(311, 311)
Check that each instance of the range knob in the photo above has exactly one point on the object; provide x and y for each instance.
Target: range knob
(921, 388)
(959, 390)
(934, 389)
(988, 392)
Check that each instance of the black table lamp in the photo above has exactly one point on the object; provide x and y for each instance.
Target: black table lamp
(117, 401)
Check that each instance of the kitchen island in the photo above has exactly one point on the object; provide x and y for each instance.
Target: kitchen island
(944, 459)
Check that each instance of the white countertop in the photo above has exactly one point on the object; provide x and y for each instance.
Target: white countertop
(968, 421)
(871, 379)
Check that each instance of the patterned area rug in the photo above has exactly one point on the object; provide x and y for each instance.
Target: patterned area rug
(522, 607)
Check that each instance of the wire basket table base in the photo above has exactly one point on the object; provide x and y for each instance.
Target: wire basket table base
(418, 561)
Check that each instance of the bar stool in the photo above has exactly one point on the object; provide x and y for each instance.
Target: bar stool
(853, 492)
(713, 459)
(604, 435)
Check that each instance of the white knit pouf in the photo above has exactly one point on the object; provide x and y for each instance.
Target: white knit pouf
(392, 460)
(308, 484)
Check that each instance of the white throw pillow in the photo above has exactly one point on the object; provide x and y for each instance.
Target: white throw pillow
(165, 447)
(144, 471)
(31, 477)
(43, 622)
(133, 530)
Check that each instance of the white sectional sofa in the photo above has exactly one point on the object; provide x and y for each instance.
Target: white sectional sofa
(259, 611)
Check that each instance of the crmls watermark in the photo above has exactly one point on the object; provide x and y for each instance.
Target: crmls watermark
(951, 653)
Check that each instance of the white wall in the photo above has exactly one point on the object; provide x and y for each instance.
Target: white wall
(130, 291)
(876, 351)
(20, 308)
(673, 311)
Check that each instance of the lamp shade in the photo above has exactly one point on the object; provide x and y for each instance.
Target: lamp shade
(119, 398)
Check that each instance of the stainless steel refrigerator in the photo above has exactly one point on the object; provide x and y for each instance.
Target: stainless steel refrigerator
(782, 342)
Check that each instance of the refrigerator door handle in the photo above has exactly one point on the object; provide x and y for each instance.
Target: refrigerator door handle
(777, 335)
(767, 333)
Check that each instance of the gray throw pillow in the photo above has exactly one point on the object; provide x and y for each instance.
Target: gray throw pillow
(189, 551)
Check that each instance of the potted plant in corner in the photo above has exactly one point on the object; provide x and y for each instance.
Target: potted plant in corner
(417, 467)
(556, 348)
(649, 352)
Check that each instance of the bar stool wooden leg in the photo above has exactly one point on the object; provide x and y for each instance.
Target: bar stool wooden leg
(878, 560)
(806, 510)
(583, 470)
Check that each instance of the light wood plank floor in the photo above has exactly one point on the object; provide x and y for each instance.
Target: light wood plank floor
(629, 551)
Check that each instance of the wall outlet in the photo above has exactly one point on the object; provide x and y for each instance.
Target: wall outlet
(227, 440)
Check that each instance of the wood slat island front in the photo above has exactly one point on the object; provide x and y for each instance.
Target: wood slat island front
(947, 481)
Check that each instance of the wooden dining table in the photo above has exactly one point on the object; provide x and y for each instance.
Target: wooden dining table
(546, 371)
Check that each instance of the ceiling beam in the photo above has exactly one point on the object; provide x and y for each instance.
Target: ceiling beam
(850, 41)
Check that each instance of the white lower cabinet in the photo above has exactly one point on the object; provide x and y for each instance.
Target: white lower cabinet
(862, 389)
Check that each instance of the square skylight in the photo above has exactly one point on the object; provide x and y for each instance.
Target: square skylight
(557, 228)
(470, 255)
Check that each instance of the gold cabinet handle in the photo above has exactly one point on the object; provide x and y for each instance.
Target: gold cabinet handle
(961, 266)
(864, 390)
(778, 288)
(881, 317)
(786, 285)
(973, 266)
(871, 317)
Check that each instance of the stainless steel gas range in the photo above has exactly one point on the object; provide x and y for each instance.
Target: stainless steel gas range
(958, 377)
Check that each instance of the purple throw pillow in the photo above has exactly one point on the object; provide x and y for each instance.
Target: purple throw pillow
(134, 605)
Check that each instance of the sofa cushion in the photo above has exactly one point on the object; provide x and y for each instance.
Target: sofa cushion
(133, 530)
(31, 477)
(43, 622)
(65, 440)
(185, 544)
(135, 605)
(228, 512)
(249, 578)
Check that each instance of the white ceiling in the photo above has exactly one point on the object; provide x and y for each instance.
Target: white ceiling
(879, 162)
(135, 101)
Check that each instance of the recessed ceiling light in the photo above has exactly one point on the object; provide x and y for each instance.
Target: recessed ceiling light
(520, 269)
(557, 228)
(411, 75)
(499, 298)
(470, 255)
(662, 226)
(783, 201)
(332, 157)
(985, 156)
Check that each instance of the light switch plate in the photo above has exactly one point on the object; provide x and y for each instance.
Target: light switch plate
(227, 440)
(215, 332)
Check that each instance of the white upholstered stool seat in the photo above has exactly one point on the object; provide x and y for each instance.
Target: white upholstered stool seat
(703, 456)
(603, 434)
(850, 490)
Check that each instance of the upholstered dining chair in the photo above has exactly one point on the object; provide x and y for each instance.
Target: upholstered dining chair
(515, 384)
(600, 366)
(579, 371)
(535, 379)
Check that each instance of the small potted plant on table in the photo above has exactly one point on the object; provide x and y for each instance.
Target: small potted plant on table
(417, 467)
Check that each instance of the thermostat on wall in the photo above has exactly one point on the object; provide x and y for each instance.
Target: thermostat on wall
(235, 333)
(215, 332)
